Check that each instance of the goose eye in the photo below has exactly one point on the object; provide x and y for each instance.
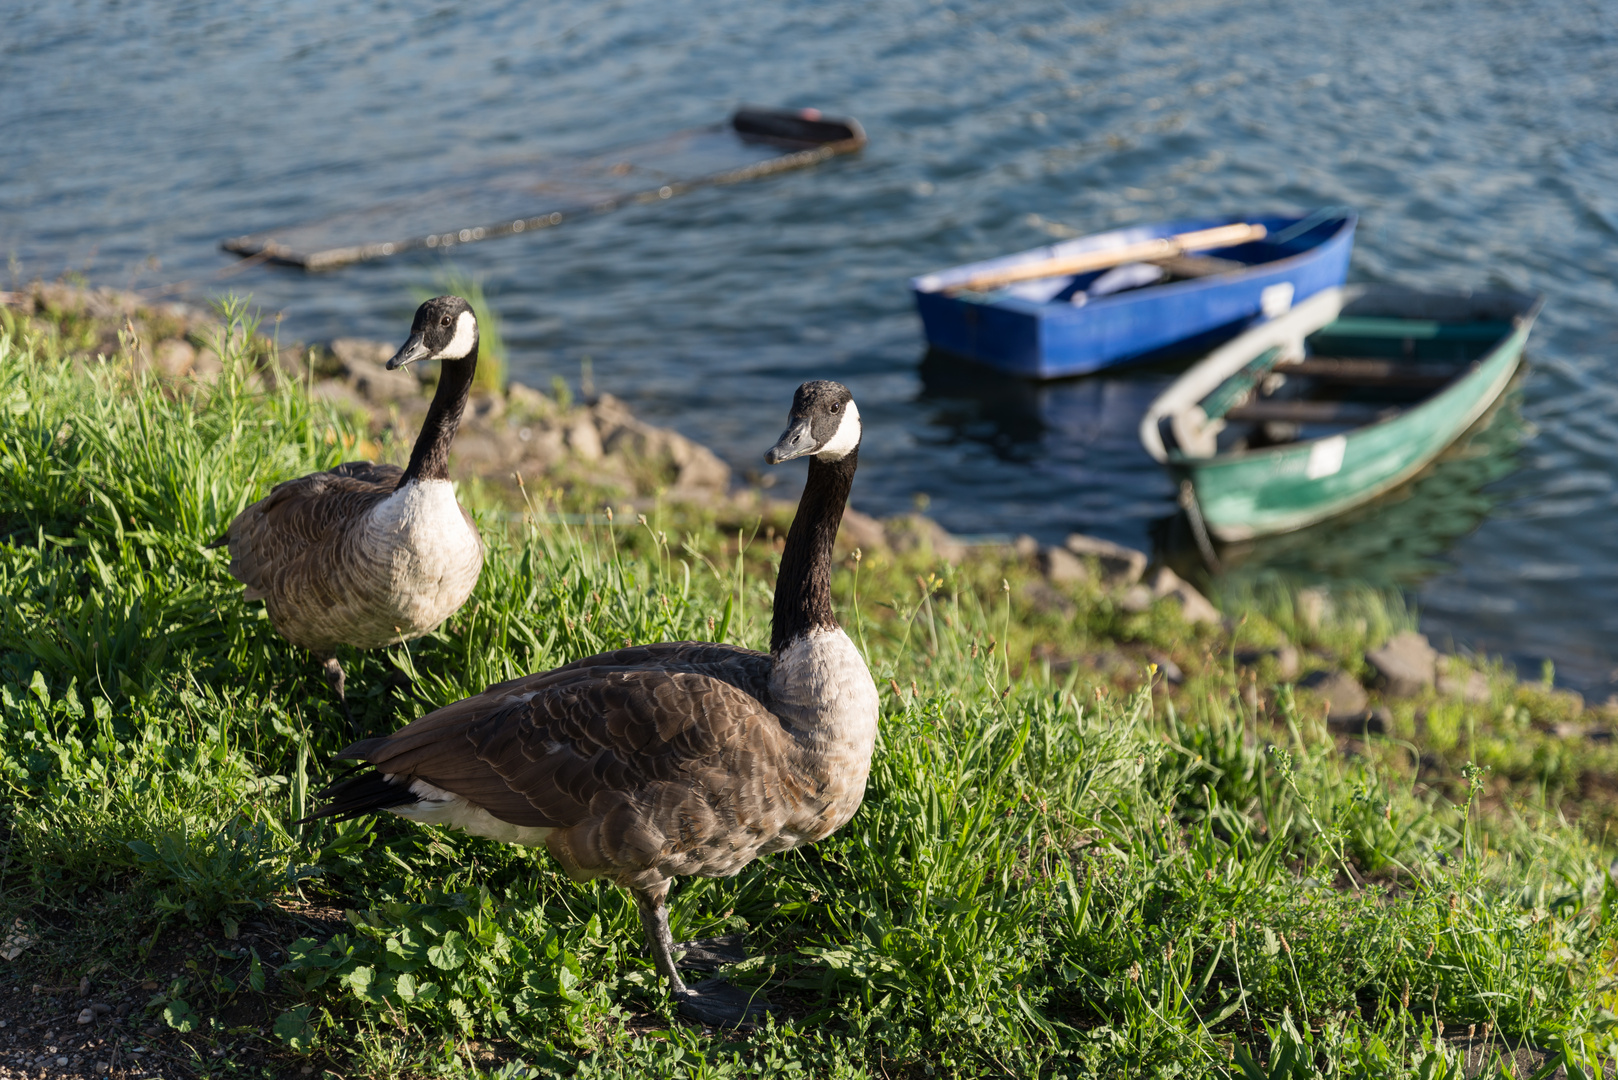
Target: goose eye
(444, 321)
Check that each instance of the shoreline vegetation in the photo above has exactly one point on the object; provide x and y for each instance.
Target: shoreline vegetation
(1111, 829)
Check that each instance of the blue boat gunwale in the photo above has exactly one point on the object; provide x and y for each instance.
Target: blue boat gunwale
(939, 280)
(1052, 338)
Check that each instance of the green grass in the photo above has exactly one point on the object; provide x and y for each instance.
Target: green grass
(1053, 874)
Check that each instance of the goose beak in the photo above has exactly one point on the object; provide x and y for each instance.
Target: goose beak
(412, 350)
(796, 441)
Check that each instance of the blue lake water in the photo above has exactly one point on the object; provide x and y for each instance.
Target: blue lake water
(1479, 142)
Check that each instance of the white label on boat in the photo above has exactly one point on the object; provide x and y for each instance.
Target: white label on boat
(1326, 457)
(1275, 299)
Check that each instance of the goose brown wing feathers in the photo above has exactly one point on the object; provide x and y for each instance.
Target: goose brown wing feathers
(298, 514)
(638, 764)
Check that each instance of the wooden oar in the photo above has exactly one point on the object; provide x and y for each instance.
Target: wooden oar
(1146, 251)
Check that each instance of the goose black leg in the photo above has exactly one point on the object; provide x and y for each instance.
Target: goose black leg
(714, 1002)
(333, 670)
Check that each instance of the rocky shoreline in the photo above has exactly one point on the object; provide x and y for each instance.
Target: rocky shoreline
(526, 444)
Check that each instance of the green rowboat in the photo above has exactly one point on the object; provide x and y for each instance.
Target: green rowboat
(1340, 399)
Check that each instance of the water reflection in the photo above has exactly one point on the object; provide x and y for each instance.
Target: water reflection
(1074, 438)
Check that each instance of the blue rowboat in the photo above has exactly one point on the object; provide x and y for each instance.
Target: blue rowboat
(1073, 324)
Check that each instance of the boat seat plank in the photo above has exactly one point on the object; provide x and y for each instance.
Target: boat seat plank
(1198, 266)
(1308, 412)
(1366, 372)
(1416, 329)
(1239, 385)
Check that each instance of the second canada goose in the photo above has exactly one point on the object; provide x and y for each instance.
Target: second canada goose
(371, 555)
(653, 761)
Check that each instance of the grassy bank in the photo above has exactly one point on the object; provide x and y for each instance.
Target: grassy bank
(1067, 864)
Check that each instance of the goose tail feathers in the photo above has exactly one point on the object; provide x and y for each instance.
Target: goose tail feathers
(369, 792)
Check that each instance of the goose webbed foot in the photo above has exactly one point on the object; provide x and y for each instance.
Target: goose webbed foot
(715, 1002)
(711, 954)
(333, 671)
(718, 1003)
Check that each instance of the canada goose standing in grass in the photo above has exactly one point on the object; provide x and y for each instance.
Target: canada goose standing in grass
(652, 761)
(371, 555)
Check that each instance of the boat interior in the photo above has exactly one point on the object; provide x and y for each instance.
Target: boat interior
(1080, 289)
(1354, 371)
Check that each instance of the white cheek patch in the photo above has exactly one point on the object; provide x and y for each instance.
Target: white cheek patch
(847, 437)
(466, 335)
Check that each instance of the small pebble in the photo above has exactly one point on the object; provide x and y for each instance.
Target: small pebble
(101, 1009)
(149, 984)
(87, 1016)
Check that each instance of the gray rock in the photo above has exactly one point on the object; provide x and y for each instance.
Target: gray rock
(1454, 680)
(1041, 597)
(1167, 668)
(1344, 696)
(207, 367)
(525, 399)
(912, 532)
(1193, 605)
(337, 393)
(362, 351)
(861, 531)
(1136, 599)
(1025, 547)
(1406, 665)
(697, 470)
(1286, 660)
(1377, 721)
(583, 439)
(1313, 606)
(1120, 565)
(378, 385)
(1061, 567)
(174, 357)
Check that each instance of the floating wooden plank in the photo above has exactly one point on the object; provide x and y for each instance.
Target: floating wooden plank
(1145, 251)
(755, 143)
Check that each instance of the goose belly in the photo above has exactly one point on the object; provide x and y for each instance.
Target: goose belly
(399, 572)
(434, 806)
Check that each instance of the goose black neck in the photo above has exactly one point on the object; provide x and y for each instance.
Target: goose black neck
(430, 458)
(803, 587)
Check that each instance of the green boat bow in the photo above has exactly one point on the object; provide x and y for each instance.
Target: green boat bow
(1345, 396)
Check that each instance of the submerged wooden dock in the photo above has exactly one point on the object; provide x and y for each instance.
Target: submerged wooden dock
(753, 143)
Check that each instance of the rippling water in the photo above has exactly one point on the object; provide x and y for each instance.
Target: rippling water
(1478, 140)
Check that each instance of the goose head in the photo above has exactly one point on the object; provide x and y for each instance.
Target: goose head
(445, 329)
(824, 422)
